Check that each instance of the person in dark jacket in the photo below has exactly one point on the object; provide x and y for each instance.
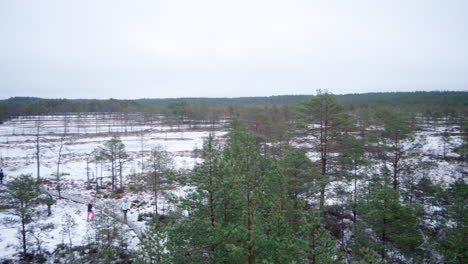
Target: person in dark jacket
(90, 211)
(49, 202)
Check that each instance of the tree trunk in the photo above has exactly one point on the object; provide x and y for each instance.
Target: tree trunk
(323, 184)
(323, 158)
(58, 176)
(38, 156)
(249, 229)
(249, 211)
(383, 238)
(395, 173)
(355, 194)
(113, 175)
(314, 255)
(120, 174)
(155, 195)
(23, 234)
(142, 153)
(396, 159)
(212, 217)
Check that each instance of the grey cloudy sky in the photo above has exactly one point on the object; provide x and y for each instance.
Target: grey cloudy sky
(215, 48)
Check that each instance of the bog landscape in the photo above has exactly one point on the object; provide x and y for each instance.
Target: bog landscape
(365, 178)
(233, 132)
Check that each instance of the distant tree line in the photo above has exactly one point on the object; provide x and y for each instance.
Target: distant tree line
(429, 104)
(319, 181)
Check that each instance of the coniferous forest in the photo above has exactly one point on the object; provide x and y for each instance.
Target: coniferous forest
(283, 179)
(233, 132)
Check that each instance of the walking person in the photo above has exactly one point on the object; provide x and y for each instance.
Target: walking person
(1, 176)
(49, 202)
(90, 211)
(125, 207)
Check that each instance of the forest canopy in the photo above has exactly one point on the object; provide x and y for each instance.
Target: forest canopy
(434, 104)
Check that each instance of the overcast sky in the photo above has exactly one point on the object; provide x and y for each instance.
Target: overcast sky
(202, 48)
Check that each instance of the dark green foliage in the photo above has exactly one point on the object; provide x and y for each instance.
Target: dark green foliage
(179, 110)
(369, 256)
(113, 151)
(253, 198)
(107, 243)
(152, 248)
(463, 149)
(321, 248)
(392, 223)
(92, 254)
(425, 191)
(243, 210)
(301, 174)
(323, 119)
(20, 99)
(437, 104)
(396, 131)
(431, 104)
(455, 243)
(352, 159)
(160, 164)
(108, 231)
(23, 194)
(268, 123)
(281, 99)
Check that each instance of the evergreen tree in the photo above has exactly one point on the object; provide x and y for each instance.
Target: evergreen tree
(23, 194)
(301, 176)
(396, 130)
(454, 245)
(321, 248)
(370, 257)
(241, 211)
(353, 160)
(112, 151)
(325, 119)
(393, 223)
(160, 163)
(152, 248)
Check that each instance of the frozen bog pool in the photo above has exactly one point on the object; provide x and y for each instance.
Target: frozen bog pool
(85, 132)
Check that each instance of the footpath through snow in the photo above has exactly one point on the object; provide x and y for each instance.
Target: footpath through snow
(77, 198)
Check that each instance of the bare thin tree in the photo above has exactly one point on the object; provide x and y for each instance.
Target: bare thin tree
(61, 144)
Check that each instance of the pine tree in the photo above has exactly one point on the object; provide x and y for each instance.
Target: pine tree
(23, 194)
(325, 119)
(393, 223)
(370, 257)
(321, 248)
(112, 150)
(160, 164)
(152, 248)
(242, 169)
(396, 130)
(301, 175)
(241, 210)
(454, 244)
(353, 160)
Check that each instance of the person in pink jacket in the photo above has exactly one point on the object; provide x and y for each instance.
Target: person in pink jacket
(90, 211)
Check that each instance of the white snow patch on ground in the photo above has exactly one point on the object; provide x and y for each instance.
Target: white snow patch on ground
(17, 147)
(86, 132)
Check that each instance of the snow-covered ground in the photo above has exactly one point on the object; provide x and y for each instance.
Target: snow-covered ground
(18, 144)
(84, 134)
(87, 131)
(54, 235)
